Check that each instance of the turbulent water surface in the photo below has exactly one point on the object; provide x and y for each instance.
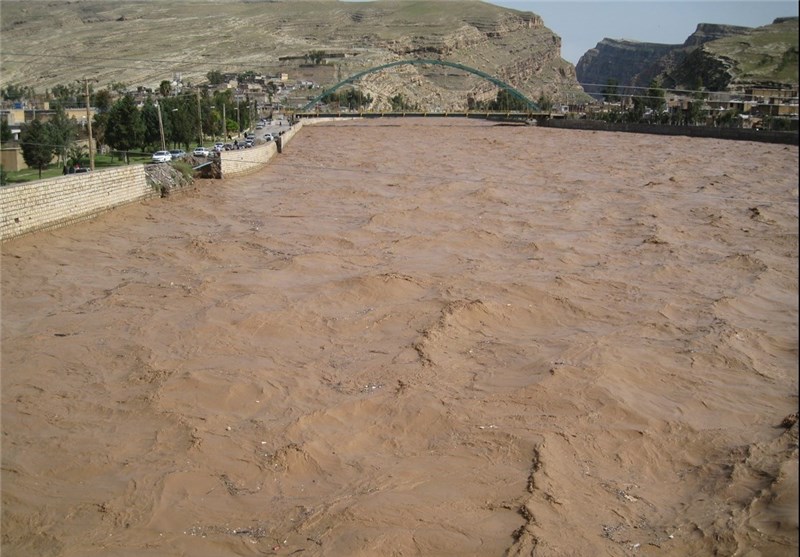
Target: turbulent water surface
(416, 337)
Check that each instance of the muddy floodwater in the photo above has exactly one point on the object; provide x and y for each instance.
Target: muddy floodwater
(432, 337)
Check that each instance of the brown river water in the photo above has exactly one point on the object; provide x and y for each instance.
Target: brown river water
(432, 337)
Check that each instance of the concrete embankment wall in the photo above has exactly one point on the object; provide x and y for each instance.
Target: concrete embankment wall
(763, 136)
(55, 202)
(245, 161)
(290, 133)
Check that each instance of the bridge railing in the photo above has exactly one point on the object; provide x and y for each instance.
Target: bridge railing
(482, 114)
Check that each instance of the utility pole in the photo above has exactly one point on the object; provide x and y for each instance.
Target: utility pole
(89, 124)
(161, 128)
(199, 119)
(224, 125)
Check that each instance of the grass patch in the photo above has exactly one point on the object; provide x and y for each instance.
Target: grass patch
(101, 162)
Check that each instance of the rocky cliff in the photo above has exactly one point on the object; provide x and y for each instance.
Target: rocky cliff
(628, 63)
(707, 32)
(714, 56)
(765, 56)
(144, 43)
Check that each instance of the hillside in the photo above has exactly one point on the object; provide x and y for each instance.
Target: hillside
(718, 56)
(143, 43)
(766, 55)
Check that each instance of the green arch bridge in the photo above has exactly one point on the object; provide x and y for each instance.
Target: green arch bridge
(533, 111)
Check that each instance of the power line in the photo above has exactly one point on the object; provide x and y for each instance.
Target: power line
(105, 58)
(183, 64)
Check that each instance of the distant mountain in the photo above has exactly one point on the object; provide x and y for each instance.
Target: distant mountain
(142, 43)
(718, 57)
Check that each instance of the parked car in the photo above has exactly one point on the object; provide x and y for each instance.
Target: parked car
(201, 152)
(177, 154)
(219, 147)
(269, 137)
(249, 142)
(162, 156)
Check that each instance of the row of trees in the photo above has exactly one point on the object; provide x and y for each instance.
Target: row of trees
(355, 99)
(126, 127)
(651, 107)
(506, 101)
(351, 98)
(70, 95)
(41, 141)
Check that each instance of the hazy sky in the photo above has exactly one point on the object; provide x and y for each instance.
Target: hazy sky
(583, 24)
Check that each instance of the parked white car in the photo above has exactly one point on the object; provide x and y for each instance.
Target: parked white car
(162, 156)
(201, 152)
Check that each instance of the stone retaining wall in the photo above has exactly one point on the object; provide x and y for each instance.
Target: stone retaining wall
(290, 133)
(740, 134)
(245, 161)
(45, 204)
(55, 202)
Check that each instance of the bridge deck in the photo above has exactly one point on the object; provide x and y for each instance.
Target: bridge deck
(504, 116)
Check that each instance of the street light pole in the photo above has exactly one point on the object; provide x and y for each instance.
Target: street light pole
(199, 119)
(161, 128)
(89, 124)
(224, 125)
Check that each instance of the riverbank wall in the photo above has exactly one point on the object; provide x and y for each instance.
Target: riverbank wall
(736, 134)
(56, 202)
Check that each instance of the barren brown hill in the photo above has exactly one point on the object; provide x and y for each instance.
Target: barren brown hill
(143, 43)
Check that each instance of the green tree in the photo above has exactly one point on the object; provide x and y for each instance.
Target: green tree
(399, 102)
(349, 98)
(694, 114)
(5, 131)
(14, 92)
(165, 88)
(215, 77)
(611, 91)
(64, 94)
(118, 87)
(62, 131)
(125, 129)
(232, 126)
(78, 154)
(182, 128)
(506, 101)
(102, 100)
(636, 113)
(316, 56)
(727, 119)
(545, 103)
(655, 97)
(152, 131)
(99, 127)
(37, 152)
(272, 88)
